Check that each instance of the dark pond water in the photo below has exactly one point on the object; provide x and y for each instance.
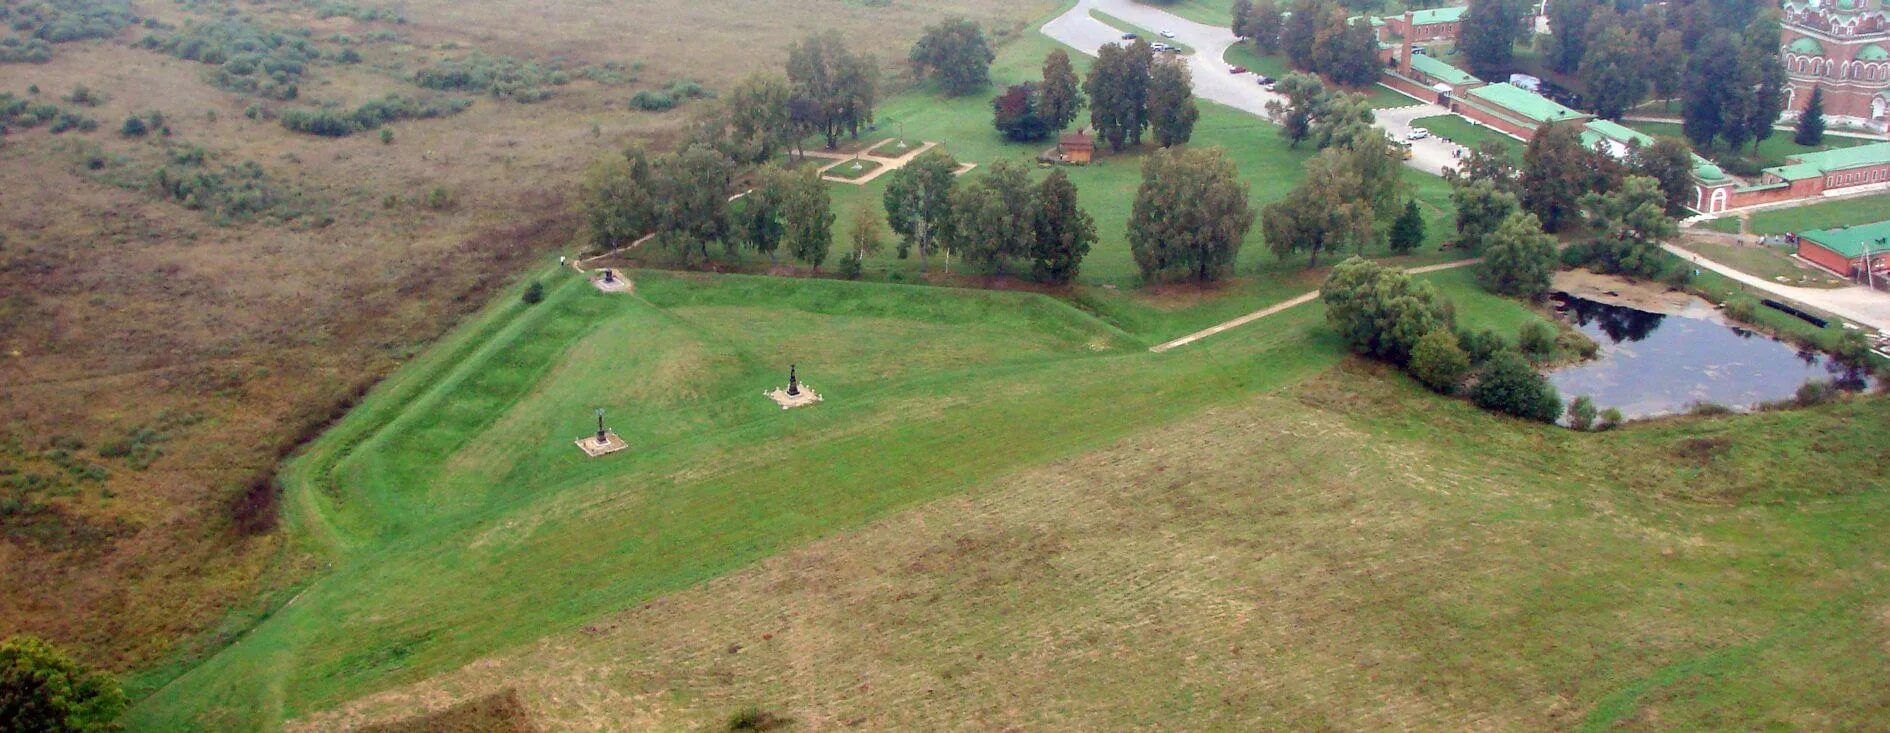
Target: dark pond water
(1652, 364)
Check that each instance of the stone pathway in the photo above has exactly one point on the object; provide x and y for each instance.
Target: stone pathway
(1277, 307)
(886, 165)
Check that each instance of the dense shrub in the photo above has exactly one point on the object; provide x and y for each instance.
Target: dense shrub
(534, 293)
(393, 107)
(20, 114)
(1610, 419)
(249, 58)
(503, 77)
(326, 9)
(1438, 362)
(1536, 339)
(651, 101)
(1815, 392)
(1508, 384)
(133, 127)
(60, 21)
(1480, 345)
(1581, 413)
(41, 689)
(17, 50)
(1380, 311)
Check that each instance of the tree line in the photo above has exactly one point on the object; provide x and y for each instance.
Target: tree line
(1313, 35)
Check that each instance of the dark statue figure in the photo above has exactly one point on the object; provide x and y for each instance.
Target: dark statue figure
(610, 276)
(793, 384)
(601, 439)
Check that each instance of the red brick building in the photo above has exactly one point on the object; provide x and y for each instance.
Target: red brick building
(1424, 26)
(1860, 252)
(1844, 47)
(1803, 176)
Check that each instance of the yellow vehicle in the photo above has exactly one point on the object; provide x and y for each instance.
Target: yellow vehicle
(1404, 151)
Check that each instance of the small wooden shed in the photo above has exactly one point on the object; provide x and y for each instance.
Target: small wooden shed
(1076, 147)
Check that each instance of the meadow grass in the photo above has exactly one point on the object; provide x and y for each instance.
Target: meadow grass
(1457, 130)
(459, 519)
(1827, 215)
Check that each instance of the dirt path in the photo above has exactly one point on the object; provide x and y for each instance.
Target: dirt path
(886, 165)
(1277, 307)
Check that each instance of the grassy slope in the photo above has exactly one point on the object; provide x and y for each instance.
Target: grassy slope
(1356, 554)
(470, 524)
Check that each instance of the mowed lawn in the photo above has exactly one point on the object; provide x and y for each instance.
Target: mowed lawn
(1827, 215)
(460, 520)
(1350, 552)
(1457, 129)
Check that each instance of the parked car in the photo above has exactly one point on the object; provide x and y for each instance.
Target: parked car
(1162, 47)
(1237, 70)
(1168, 34)
(1420, 52)
(1418, 134)
(1129, 36)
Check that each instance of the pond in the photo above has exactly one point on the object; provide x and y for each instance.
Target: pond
(1654, 364)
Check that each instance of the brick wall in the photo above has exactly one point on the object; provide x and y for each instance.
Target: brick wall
(1826, 258)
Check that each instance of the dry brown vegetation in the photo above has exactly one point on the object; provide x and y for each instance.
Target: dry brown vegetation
(228, 343)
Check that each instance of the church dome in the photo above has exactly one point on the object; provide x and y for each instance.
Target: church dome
(1872, 52)
(1806, 46)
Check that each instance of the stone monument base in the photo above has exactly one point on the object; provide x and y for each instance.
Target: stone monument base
(789, 402)
(611, 444)
(618, 283)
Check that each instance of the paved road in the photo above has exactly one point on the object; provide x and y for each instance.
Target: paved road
(1211, 79)
(1855, 303)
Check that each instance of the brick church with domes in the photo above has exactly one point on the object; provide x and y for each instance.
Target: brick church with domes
(1844, 47)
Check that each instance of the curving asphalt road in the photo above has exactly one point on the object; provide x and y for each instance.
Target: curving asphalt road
(1212, 81)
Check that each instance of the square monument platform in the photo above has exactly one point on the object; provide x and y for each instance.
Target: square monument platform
(611, 444)
(618, 283)
(788, 401)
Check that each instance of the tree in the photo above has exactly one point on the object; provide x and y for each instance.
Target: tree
(1811, 121)
(1348, 53)
(1704, 114)
(1667, 64)
(1581, 413)
(1061, 96)
(1519, 259)
(1767, 100)
(918, 202)
(1304, 95)
(869, 235)
(1488, 35)
(1381, 312)
(1555, 174)
(834, 89)
(1670, 162)
(1118, 93)
(1189, 216)
(1615, 73)
(760, 117)
(1510, 385)
(1633, 219)
(762, 219)
(1015, 113)
(1061, 231)
(41, 689)
(955, 54)
(690, 191)
(1242, 13)
(1344, 120)
(1568, 19)
(1488, 161)
(1299, 31)
(993, 216)
(1481, 210)
(1407, 233)
(1264, 25)
(1171, 110)
(808, 213)
(1316, 216)
(1438, 362)
(617, 200)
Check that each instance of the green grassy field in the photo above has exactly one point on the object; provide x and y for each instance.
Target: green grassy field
(1724, 224)
(1766, 262)
(1454, 128)
(1771, 152)
(1827, 215)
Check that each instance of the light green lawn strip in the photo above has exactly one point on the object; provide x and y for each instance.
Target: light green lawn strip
(1826, 215)
(1455, 129)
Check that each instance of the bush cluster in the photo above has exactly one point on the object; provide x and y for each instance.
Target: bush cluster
(325, 9)
(369, 116)
(19, 114)
(677, 92)
(17, 50)
(249, 58)
(45, 22)
(503, 77)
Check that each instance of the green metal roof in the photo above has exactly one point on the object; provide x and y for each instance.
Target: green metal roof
(1806, 45)
(1439, 15)
(1853, 241)
(1618, 132)
(1872, 52)
(1441, 71)
(1526, 103)
(1815, 165)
